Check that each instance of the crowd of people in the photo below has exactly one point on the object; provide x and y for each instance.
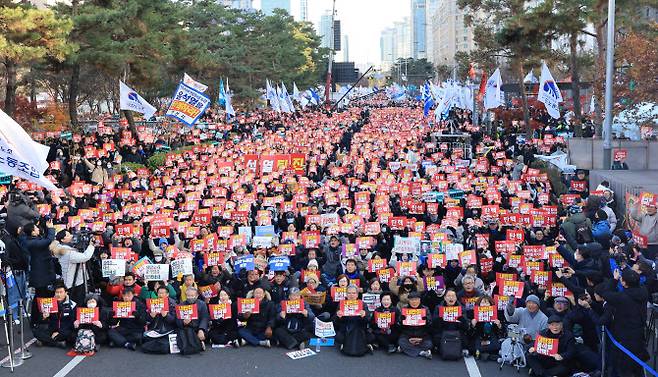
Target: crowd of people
(365, 218)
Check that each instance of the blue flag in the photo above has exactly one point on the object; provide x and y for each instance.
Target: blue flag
(428, 101)
(222, 94)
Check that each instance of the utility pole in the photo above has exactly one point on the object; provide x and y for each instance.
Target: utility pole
(609, 79)
(327, 88)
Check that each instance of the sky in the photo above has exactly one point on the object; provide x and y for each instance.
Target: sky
(361, 20)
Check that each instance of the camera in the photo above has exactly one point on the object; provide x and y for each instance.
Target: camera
(82, 238)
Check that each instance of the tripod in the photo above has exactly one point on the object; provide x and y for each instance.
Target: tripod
(25, 354)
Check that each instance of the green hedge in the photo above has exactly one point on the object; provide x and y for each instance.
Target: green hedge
(131, 166)
(158, 159)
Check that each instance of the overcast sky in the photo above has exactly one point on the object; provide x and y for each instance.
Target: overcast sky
(361, 20)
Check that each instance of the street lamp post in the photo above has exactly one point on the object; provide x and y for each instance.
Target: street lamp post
(327, 88)
(609, 77)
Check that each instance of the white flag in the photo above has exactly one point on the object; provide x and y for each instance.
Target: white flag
(130, 100)
(592, 105)
(549, 94)
(530, 78)
(21, 156)
(296, 95)
(291, 106)
(229, 106)
(272, 96)
(189, 81)
(493, 96)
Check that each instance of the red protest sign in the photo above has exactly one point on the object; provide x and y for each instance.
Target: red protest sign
(384, 320)
(220, 311)
(436, 260)
(414, 317)
(351, 308)
(546, 346)
(450, 313)
(512, 288)
(47, 304)
(248, 305)
(485, 313)
(157, 305)
(123, 309)
(292, 306)
(190, 312)
(87, 315)
(620, 154)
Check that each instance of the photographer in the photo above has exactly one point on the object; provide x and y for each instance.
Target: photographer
(13, 255)
(73, 264)
(42, 264)
(629, 308)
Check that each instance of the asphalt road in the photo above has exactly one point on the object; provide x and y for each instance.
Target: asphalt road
(246, 361)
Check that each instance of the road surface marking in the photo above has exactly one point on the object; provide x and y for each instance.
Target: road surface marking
(472, 367)
(69, 367)
(16, 352)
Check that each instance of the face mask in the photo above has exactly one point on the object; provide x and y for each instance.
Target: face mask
(91, 305)
(158, 259)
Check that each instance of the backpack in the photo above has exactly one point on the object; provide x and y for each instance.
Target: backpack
(85, 341)
(451, 345)
(187, 341)
(583, 233)
(158, 346)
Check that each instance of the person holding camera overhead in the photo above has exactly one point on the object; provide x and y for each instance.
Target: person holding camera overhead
(42, 265)
(73, 264)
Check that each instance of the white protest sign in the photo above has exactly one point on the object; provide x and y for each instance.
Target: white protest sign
(406, 245)
(181, 267)
(261, 242)
(306, 352)
(453, 250)
(324, 329)
(113, 267)
(159, 272)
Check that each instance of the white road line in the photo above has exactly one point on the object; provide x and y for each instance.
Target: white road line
(69, 367)
(16, 352)
(472, 367)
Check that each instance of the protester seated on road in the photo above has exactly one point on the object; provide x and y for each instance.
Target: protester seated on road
(351, 327)
(224, 331)
(530, 318)
(560, 363)
(485, 338)
(384, 324)
(259, 326)
(415, 324)
(58, 331)
(90, 336)
(293, 329)
(194, 329)
(445, 321)
(162, 322)
(127, 332)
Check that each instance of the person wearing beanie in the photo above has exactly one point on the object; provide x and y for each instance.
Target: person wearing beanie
(559, 364)
(531, 318)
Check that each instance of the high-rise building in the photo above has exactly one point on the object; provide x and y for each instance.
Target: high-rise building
(449, 33)
(238, 4)
(418, 29)
(303, 10)
(387, 48)
(402, 39)
(346, 49)
(430, 11)
(395, 43)
(268, 6)
(325, 29)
